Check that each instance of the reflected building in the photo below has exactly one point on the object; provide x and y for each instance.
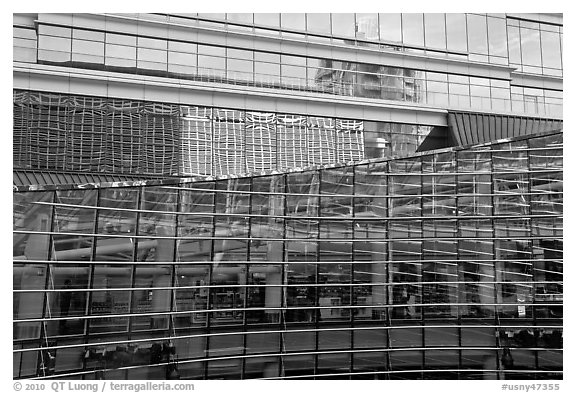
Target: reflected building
(287, 196)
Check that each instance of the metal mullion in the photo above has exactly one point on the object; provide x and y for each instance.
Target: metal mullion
(388, 262)
(92, 266)
(210, 275)
(352, 265)
(458, 254)
(42, 334)
(316, 288)
(171, 325)
(139, 202)
(533, 286)
(246, 272)
(284, 280)
(494, 259)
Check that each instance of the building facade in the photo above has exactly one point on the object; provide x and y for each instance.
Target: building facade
(288, 196)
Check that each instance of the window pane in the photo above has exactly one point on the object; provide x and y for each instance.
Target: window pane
(456, 32)
(318, 23)
(514, 45)
(497, 37)
(435, 32)
(241, 18)
(272, 20)
(551, 56)
(413, 29)
(477, 34)
(293, 21)
(212, 15)
(343, 25)
(391, 27)
(367, 26)
(530, 47)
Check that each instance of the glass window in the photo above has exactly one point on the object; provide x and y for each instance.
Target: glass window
(514, 45)
(343, 25)
(120, 39)
(89, 51)
(266, 67)
(220, 16)
(367, 26)
(497, 37)
(152, 43)
(391, 27)
(152, 58)
(293, 21)
(271, 20)
(181, 63)
(413, 29)
(477, 34)
(435, 31)
(456, 32)
(551, 55)
(211, 60)
(88, 35)
(239, 64)
(54, 48)
(531, 52)
(120, 51)
(118, 219)
(182, 57)
(293, 70)
(241, 18)
(55, 31)
(318, 23)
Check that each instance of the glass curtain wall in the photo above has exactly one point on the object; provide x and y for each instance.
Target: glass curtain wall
(238, 66)
(440, 265)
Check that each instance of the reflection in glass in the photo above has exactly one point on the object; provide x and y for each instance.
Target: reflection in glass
(359, 259)
(367, 27)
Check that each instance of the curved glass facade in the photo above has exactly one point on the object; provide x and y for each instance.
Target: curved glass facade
(440, 265)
